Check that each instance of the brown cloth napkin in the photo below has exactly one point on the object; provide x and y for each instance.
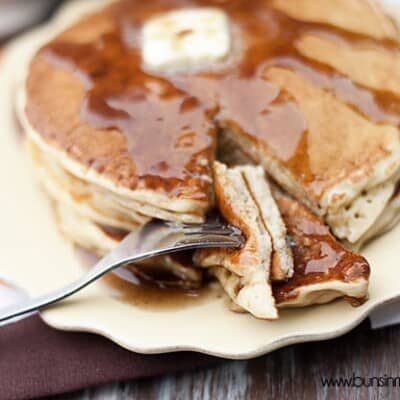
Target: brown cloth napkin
(37, 361)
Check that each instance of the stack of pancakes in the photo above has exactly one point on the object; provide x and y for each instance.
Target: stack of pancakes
(293, 136)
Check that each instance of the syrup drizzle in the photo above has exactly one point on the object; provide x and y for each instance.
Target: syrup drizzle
(169, 120)
(318, 256)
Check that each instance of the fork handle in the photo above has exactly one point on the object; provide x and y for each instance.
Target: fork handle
(138, 243)
(119, 257)
(30, 305)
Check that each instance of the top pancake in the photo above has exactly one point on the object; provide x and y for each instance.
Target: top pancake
(315, 116)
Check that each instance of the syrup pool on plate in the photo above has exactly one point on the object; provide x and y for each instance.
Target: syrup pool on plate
(124, 285)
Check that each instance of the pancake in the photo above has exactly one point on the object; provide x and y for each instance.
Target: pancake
(244, 199)
(323, 128)
(86, 199)
(387, 212)
(323, 268)
(171, 176)
(281, 258)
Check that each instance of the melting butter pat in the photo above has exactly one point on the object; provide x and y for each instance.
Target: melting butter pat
(185, 39)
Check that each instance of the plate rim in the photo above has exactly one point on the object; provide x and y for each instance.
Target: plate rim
(260, 351)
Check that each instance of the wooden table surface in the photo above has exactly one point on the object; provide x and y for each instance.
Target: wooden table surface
(294, 372)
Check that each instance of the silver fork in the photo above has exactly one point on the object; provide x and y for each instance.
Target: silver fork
(153, 239)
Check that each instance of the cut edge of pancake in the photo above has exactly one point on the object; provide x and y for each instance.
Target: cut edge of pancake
(317, 293)
(252, 261)
(250, 297)
(245, 200)
(282, 259)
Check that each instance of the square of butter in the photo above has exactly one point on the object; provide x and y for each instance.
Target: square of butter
(186, 38)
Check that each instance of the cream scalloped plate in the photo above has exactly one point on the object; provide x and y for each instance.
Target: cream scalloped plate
(36, 257)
